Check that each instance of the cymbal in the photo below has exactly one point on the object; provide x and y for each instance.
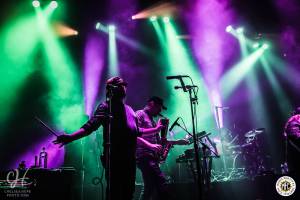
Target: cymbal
(259, 130)
(254, 132)
(233, 146)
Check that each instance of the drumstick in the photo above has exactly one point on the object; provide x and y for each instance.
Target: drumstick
(47, 127)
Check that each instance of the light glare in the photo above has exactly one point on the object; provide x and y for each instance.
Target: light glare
(255, 45)
(265, 46)
(98, 25)
(36, 3)
(153, 18)
(229, 29)
(53, 4)
(166, 19)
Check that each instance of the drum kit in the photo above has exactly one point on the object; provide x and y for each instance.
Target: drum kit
(251, 139)
(245, 154)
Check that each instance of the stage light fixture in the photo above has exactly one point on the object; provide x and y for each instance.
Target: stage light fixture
(166, 19)
(98, 24)
(63, 30)
(111, 27)
(229, 29)
(53, 4)
(153, 18)
(36, 3)
(240, 30)
(265, 46)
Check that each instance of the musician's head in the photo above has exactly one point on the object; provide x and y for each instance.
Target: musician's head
(296, 111)
(155, 105)
(117, 86)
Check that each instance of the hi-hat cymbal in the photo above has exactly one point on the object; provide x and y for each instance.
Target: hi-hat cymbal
(259, 130)
(254, 132)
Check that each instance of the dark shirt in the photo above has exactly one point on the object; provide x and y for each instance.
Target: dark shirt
(145, 121)
(124, 129)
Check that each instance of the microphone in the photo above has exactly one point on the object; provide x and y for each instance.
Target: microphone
(176, 77)
(174, 124)
(187, 87)
(223, 107)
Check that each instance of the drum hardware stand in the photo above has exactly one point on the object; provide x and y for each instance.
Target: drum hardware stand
(207, 161)
(285, 165)
(221, 137)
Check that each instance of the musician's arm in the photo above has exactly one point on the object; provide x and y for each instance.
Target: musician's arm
(146, 144)
(179, 142)
(147, 131)
(99, 118)
(90, 126)
(67, 138)
(151, 131)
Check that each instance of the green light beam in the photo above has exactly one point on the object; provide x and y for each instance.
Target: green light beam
(258, 111)
(284, 69)
(284, 104)
(113, 69)
(19, 42)
(235, 75)
(243, 45)
(159, 33)
(179, 61)
(65, 100)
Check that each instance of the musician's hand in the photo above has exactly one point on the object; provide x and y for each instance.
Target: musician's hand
(63, 140)
(155, 147)
(182, 142)
(159, 125)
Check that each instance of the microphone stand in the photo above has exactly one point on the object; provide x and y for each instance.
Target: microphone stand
(108, 145)
(83, 146)
(185, 130)
(193, 100)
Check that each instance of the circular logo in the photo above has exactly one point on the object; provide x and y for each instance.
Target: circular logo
(285, 186)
